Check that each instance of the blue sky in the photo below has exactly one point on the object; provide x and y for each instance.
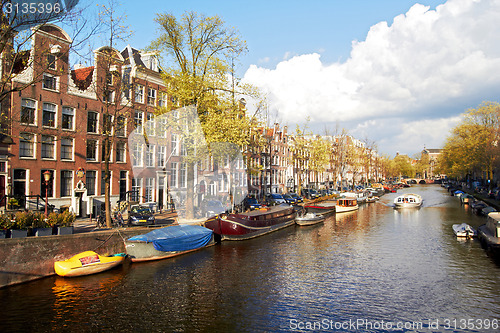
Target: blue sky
(396, 72)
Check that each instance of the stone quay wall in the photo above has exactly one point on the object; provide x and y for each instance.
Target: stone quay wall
(31, 258)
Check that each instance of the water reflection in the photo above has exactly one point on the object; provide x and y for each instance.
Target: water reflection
(377, 263)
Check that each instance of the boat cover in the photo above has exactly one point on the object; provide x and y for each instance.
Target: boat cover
(176, 238)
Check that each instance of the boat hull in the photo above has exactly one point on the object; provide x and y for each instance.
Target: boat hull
(142, 251)
(310, 219)
(86, 263)
(253, 224)
(323, 208)
(464, 230)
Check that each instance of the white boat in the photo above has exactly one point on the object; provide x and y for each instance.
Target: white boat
(408, 200)
(372, 199)
(464, 230)
(346, 205)
(309, 219)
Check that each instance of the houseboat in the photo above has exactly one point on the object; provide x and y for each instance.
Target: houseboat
(325, 208)
(252, 224)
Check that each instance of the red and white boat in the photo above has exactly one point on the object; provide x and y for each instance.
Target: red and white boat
(252, 224)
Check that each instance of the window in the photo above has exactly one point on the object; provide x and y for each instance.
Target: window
(90, 180)
(183, 175)
(28, 111)
(51, 61)
(150, 124)
(137, 154)
(150, 153)
(107, 124)
(104, 152)
(68, 118)
(49, 115)
(162, 151)
(92, 122)
(148, 190)
(109, 78)
(26, 145)
(66, 149)
(162, 126)
(151, 96)
(103, 182)
(121, 151)
(121, 123)
(66, 183)
(136, 189)
(174, 142)
(139, 93)
(162, 99)
(183, 148)
(49, 82)
(91, 150)
(108, 96)
(138, 117)
(173, 174)
(48, 146)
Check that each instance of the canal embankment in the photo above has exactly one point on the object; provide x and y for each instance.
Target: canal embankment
(31, 258)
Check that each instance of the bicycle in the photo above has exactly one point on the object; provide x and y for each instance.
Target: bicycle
(101, 221)
(117, 220)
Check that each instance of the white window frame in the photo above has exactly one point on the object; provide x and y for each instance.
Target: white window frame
(49, 143)
(32, 108)
(49, 76)
(139, 93)
(68, 111)
(27, 140)
(46, 109)
(151, 96)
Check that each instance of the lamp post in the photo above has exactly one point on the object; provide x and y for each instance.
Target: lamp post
(46, 176)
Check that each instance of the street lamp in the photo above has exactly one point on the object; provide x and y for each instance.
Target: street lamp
(46, 176)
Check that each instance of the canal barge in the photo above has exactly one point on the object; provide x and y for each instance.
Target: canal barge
(168, 242)
(252, 224)
(489, 233)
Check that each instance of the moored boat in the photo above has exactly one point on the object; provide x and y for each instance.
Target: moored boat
(464, 230)
(408, 200)
(489, 233)
(346, 205)
(324, 208)
(252, 224)
(86, 263)
(168, 242)
(309, 219)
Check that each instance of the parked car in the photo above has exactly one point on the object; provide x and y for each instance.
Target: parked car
(289, 199)
(274, 199)
(211, 208)
(140, 215)
(251, 203)
(297, 197)
(314, 194)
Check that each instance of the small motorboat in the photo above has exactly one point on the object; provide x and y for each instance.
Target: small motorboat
(464, 230)
(309, 219)
(87, 263)
(408, 200)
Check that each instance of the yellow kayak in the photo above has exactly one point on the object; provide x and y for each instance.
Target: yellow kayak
(86, 263)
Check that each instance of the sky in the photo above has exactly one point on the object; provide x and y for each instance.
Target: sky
(398, 73)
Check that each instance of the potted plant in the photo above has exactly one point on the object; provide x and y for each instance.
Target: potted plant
(13, 203)
(22, 220)
(41, 225)
(65, 223)
(6, 223)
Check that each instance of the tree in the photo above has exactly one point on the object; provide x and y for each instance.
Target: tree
(202, 51)
(109, 92)
(472, 146)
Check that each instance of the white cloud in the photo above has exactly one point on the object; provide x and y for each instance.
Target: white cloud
(424, 60)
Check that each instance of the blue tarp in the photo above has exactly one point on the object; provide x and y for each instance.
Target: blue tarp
(176, 238)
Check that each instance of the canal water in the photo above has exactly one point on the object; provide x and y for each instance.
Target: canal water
(376, 269)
